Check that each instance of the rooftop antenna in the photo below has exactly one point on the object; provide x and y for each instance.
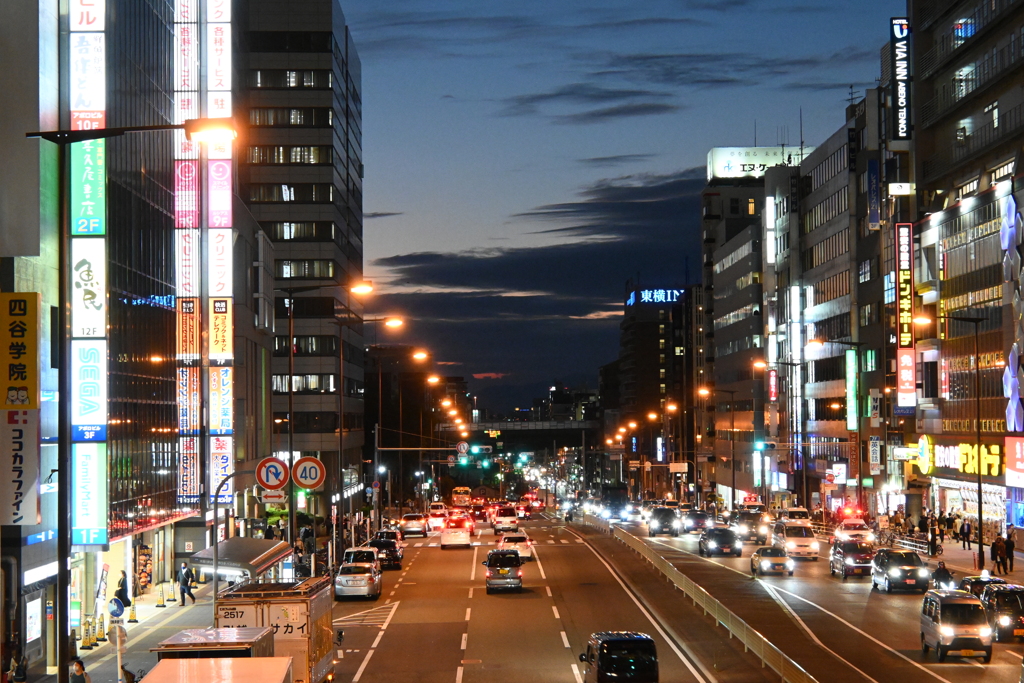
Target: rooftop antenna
(755, 132)
(853, 97)
(801, 133)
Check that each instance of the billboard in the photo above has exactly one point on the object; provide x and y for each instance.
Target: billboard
(19, 467)
(188, 400)
(89, 495)
(221, 332)
(19, 349)
(906, 357)
(899, 45)
(88, 288)
(222, 463)
(89, 188)
(188, 470)
(221, 400)
(750, 162)
(89, 396)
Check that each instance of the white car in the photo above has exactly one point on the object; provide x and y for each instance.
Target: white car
(358, 580)
(797, 539)
(457, 532)
(505, 519)
(436, 520)
(796, 515)
(854, 529)
(519, 542)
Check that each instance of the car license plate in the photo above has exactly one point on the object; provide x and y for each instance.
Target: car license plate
(1018, 631)
(967, 653)
(503, 571)
(911, 581)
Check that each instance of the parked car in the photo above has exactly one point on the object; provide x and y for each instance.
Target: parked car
(358, 580)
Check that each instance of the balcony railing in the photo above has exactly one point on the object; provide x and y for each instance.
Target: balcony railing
(986, 71)
(1011, 122)
(963, 33)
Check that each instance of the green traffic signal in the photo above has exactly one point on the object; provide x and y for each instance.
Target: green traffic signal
(474, 449)
(759, 445)
(485, 463)
(463, 460)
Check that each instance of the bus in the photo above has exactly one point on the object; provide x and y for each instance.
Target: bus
(462, 496)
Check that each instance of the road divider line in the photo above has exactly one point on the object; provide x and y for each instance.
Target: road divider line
(692, 666)
(464, 637)
(555, 610)
(468, 610)
(362, 667)
(376, 641)
(1011, 652)
(536, 558)
(470, 593)
(576, 673)
(387, 622)
(548, 589)
(472, 572)
(565, 640)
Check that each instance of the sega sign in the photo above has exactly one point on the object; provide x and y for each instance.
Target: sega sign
(89, 400)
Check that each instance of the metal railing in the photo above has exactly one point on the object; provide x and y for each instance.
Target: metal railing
(969, 146)
(986, 71)
(770, 655)
(962, 32)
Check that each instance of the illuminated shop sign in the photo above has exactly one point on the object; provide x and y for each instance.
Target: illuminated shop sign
(221, 400)
(19, 349)
(186, 193)
(959, 460)
(89, 188)
(188, 400)
(654, 296)
(906, 359)
(219, 195)
(220, 262)
(852, 416)
(89, 393)
(89, 495)
(187, 262)
(899, 44)
(221, 331)
(19, 467)
(773, 385)
(188, 470)
(750, 162)
(88, 80)
(222, 464)
(89, 288)
(189, 331)
(1015, 461)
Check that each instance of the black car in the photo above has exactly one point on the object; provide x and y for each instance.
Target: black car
(479, 513)
(892, 569)
(850, 558)
(719, 540)
(977, 584)
(389, 552)
(620, 656)
(1004, 607)
(751, 526)
(663, 521)
(695, 521)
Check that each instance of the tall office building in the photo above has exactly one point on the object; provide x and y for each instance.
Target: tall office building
(301, 177)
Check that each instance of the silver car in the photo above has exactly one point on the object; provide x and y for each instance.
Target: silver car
(414, 524)
(504, 570)
(358, 580)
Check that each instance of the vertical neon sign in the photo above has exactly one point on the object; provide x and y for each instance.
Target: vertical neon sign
(88, 194)
(906, 357)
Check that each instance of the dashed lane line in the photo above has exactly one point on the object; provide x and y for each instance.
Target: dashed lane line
(548, 589)
(555, 610)
(536, 558)
(576, 673)
(464, 637)
(468, 610)
(565, 640)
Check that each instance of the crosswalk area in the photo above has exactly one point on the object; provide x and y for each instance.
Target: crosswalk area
(486, 538)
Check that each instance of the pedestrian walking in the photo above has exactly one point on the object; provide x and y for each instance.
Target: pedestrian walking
(78, 674)
(185, 578)
(933, 535)
(1010, 545)
(122, 590)
(965, 535)
(999, 550)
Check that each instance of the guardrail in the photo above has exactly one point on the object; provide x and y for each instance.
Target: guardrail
(599, 523)
(753, 641)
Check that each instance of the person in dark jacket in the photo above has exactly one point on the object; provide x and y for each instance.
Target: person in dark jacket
(965, 535)
(185, 578)
(1010, 547)
(122, 590)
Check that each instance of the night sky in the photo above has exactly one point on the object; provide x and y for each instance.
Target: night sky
(524, 160)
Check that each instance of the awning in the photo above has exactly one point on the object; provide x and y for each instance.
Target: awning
(251, 555)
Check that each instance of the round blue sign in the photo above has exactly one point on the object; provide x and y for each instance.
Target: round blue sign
(115, 608)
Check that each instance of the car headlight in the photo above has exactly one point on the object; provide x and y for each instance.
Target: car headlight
(744, 529)
(947, 631)
(654, 524)
(790, 564)
(689, 522)
(739, 544)
(871, 536)
(762, 530)
(790, 544)
(922, 573)
(815, 545)
(894, 572)
(765, 564)
(985, 631)
(1004, 620)
(675, 523)
(626, 510)
(712, 544)
(848, 562)
(606, 514)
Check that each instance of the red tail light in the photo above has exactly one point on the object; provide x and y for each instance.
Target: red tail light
(488, 573)
(519, 572)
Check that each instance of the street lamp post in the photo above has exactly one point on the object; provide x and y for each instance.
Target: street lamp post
(976, 321)
(732, 434)
(198, 130)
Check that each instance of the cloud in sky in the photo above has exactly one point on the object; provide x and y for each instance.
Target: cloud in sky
(576, 94)
(615, 160)
(490, 375)
(381, 214)
(621, 111)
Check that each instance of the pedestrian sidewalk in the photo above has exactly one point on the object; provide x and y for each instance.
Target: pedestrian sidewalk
(154, 625)
(961, 561)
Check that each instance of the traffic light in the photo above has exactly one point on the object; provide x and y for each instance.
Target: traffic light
(485, 463)
(463, 460)
(759, 445)
(474, 449)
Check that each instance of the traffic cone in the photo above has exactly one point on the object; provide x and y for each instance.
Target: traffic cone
(86, 629)
(160, 600)
(131, 615)
(101, 631)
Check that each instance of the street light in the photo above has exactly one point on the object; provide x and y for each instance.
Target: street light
(197, 130)
(976, 321)
(732, 433)
(433, 379)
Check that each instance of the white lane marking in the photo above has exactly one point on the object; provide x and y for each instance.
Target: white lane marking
(863, 633)
(458, 675)
(536, 558)
(564, 541)
(550, 541)
(391, 593)
(548, 589)
(419, 544)
(1011, 652)
(555, 610)
(362, 667)
(376, 641)
(576, 673)
(464, 636)
(810, 633)
(394, 608)
(686, 662)
(470, 593)
(579, 540)
(468, 610)
(388, 601)
(472, 572)
(565, 641)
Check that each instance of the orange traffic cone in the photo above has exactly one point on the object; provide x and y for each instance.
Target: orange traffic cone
(160, 600)
(101, 631)
(131, 615)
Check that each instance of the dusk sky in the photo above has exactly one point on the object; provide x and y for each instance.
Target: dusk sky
(523, 160)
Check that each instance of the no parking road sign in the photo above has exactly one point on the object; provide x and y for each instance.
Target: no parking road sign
(309, 473)
(272, 474)
(462, 447)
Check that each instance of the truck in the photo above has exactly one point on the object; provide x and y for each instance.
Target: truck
(197, 643)
(223, 670)
(615, 500)
(298, 611)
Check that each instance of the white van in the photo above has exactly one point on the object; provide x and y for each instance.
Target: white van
(797, 538)
(505, 519)
(955, 621)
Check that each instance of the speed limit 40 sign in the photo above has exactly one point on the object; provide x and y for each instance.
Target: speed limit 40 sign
(309, 473)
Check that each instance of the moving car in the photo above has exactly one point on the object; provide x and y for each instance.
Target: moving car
(457, 532)
(389, 551)
(524, 510)
(719, 540)
(977, 584)
(358, 580)
(850, 558)
(854, 529)
(797, 538)
(437, 507)
(620, 656)
(479, 513)
(796, 515)
(1004, 606)
(955, 621)
(519, 542)
(663, 521)
(414, 524)
(504, 570)
(771, 559)
(436, 519)
(893, 569)
(751, 526)
(645, 508)
(505, 519)
(390, 535)
(695, 521)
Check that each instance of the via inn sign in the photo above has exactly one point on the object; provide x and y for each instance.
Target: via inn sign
(654, 296)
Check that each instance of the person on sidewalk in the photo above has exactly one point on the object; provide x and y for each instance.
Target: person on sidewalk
(185, 578)
(965, 535)
(999, 550)
(78, 674)
(122, 590)
(1011, 545)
